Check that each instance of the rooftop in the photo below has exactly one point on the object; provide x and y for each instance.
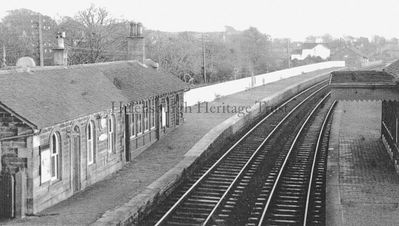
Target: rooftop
(393, 69)
(45, 96)
(369, 77)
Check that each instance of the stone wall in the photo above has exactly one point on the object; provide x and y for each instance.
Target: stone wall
(13, 152)
(105, 162)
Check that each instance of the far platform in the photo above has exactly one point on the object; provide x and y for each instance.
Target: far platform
(362, 185)
(87, 206)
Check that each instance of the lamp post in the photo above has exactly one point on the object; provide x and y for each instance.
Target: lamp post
(203, 59)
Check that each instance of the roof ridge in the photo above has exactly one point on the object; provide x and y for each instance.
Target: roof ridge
(75, 66)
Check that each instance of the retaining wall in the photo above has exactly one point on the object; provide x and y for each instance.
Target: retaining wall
(214, 140)
(209, 93)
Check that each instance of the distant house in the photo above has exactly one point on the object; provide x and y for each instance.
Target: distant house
(352, 56)
(311, 50)
(63, 128)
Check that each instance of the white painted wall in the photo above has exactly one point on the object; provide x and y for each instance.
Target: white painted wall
(317, 51)
(209, 93)
(321, 51)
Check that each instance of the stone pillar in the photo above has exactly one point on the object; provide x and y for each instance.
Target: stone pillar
(20, 194)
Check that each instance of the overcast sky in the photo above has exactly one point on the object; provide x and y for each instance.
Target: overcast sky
(279, 18)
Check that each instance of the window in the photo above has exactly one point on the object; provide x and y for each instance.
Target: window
(111, 134)
(55, 156)
(146, 116)
(132, 125)
(139, 119)
(90, 143)
(152, 113)
(167, 112)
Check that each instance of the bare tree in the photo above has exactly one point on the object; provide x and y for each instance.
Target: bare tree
(103, 36)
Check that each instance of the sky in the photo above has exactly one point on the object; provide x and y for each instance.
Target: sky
(294, 19)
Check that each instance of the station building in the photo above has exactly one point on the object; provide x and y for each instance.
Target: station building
(63, 128)
(374, 85)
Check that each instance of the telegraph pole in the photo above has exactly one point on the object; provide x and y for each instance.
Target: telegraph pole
(3, 64)
(288, 53)
(41, 41)
(203, 58)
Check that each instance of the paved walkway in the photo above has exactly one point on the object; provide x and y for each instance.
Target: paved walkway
(362, 186)
(85, 207)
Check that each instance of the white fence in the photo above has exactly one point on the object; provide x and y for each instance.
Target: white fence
(209, 93)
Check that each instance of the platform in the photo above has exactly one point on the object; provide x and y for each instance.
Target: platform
(134, 179)
(362, 186)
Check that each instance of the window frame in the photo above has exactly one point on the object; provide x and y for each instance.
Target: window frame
(146, 119)
(167, 103)
(152, 114)
(55, 144)
(111, 133)
(139, 123)
(132, 125)
(90, 142)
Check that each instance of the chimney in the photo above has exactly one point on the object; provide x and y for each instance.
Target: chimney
(60, 53)
(136, 43)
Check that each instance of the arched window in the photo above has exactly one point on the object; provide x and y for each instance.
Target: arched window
(55, 156)
(111, 133)
(90, 142)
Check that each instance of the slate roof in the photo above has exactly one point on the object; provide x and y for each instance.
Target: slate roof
(393, 69)
(51, 95)
(369, 77)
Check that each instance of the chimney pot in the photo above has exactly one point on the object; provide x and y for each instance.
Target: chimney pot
(60, 39)
(136, 43)
(60, 53)
(140, 29)
(132, 29)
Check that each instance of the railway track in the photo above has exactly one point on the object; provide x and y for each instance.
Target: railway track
(234, 188)
(294, 188)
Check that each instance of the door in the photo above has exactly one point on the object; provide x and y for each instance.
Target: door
(7, 202)
(76, 159)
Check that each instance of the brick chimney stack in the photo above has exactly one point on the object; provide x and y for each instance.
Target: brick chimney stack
(60, 53)
(136, 43)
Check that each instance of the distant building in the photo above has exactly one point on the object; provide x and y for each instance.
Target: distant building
(63, 128)
(311, 50)
(352, 56)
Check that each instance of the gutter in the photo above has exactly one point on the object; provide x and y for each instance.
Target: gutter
(20, 136)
